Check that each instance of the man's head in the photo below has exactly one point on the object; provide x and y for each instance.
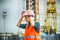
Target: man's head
(29, 15)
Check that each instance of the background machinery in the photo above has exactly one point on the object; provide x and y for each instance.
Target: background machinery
(51, 17)
(33, 5)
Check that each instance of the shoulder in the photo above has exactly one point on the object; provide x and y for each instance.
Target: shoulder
(36, 24)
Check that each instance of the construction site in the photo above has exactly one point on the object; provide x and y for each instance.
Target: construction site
(46, 19)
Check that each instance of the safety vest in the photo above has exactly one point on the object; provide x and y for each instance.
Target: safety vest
(31, 34)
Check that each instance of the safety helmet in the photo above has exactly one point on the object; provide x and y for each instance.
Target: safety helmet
(29, 12)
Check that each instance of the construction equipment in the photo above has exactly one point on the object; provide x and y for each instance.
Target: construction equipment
(51, 17)
(33, 5)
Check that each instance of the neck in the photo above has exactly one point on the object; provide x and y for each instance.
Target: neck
(31, 23)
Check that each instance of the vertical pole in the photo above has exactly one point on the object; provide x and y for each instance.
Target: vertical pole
(4, 28)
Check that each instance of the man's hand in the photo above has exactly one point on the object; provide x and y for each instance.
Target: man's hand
(22, 15)
(23, 12)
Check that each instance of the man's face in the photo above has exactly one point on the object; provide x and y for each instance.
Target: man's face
(27, 18)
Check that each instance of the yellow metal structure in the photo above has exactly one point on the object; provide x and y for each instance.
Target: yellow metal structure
(51, 17)
(33, 5)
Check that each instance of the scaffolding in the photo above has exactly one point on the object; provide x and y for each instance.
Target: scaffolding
(33, 5)
(51, 17)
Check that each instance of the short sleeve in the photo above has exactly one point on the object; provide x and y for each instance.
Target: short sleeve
(36, 25)
(22, 26)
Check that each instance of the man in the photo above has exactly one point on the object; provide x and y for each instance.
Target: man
(31, 27)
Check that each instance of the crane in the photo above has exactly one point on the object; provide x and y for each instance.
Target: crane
(33, 5)
(51, 17)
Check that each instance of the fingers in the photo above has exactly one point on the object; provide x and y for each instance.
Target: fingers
(23, 13)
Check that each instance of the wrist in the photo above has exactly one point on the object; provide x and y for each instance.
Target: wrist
(22, 16)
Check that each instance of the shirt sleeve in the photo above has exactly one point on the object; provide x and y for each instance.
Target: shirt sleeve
(22, 26)
(36, 25)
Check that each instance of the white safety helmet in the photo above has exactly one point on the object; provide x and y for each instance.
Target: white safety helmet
(29, 12)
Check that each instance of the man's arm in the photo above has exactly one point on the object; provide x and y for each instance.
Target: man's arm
(19, 22)
(37, 26)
